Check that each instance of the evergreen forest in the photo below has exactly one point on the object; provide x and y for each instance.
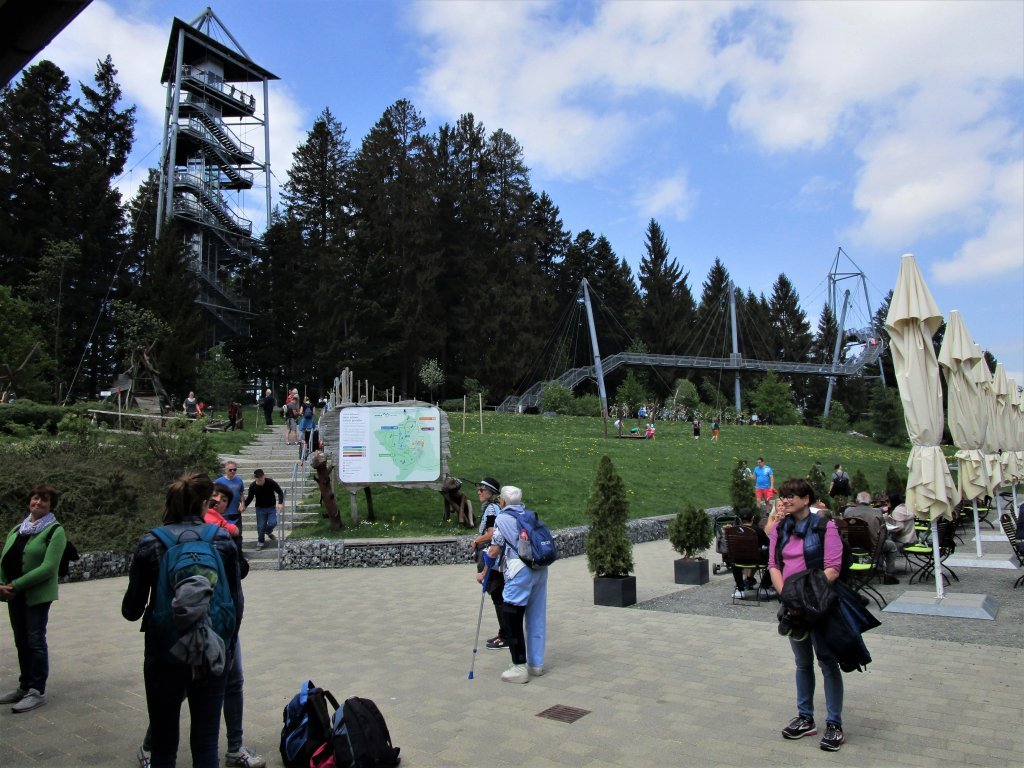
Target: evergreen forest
(403, 248)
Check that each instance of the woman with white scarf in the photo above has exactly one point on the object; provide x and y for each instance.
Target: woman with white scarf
(28, 584)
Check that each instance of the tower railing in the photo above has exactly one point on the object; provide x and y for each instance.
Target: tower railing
(209, 80)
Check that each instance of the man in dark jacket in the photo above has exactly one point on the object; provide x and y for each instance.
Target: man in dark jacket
(265, 491)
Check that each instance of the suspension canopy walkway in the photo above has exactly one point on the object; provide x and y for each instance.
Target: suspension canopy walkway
(870, 352)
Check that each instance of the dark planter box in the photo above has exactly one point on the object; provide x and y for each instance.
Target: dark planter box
(692, 571)
(616, 592)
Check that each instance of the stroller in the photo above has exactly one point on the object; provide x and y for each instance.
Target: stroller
(721, 520)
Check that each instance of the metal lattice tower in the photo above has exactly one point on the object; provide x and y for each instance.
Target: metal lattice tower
(205, 163)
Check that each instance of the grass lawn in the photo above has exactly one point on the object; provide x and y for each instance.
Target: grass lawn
(231, 442)
(554, 460)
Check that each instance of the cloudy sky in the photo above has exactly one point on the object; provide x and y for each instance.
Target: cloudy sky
(767, 135)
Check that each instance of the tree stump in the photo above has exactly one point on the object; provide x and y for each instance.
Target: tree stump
(323, 480)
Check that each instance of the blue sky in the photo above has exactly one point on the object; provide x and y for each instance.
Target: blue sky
(764, 134)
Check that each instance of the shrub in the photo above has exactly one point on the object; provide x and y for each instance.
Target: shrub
(176, 447)
(631, 392)
(104, 503)
(556, 398)
(819, 481)
(454, 405)
(895, 482)
(838, 420)
(691, 531)
(36, 417)
(741, 490)
(586, 405)
(609, 550)
(858, 483)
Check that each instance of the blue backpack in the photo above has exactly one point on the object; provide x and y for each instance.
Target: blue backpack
(192, 557)
(537, 548)
(307, 725)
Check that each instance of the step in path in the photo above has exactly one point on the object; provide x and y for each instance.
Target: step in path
(279, 461)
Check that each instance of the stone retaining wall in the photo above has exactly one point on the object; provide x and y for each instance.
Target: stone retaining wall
(333, 553)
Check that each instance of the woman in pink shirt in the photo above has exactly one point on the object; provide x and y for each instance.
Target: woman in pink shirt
(797, 530)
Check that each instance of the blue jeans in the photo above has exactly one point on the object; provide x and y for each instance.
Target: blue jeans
(166, 686)
(232, 702)
(233, 697)
(29, 625)
(266, 519)
(804, 651)
(528, 589)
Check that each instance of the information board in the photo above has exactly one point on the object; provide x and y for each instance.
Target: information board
(389, 444)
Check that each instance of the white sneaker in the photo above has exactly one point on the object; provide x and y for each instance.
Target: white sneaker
(29, 701)
(739, 594)
(536, 671)
(244, 758)
(517, 673)
(14, 696)
(144, 757)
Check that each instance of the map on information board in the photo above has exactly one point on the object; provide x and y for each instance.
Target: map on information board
(389, 444)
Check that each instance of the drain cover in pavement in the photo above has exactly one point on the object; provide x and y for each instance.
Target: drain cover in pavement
(563, 713)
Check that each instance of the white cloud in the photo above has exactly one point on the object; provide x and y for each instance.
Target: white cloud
(138, 48)
(922, 95)
(997, 249)
(668, 197)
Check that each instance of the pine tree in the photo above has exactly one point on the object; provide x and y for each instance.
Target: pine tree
(741, 489)
(667, 309)
(711, 326)
(609, 550)
(858, 483)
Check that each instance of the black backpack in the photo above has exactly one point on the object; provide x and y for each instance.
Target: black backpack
(360, 736)
(70, 553)
(307, 725)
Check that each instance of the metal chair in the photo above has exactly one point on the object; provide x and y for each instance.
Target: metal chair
(1010, 529)
(923, 557)
(864, 570)
(745, 552)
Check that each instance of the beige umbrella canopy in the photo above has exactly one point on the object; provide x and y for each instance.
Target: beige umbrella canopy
(912, 321)
(1017, 420)
(993, 467)
(965, 413)
(1004, 429)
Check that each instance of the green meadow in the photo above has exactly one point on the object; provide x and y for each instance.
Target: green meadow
(554, 459)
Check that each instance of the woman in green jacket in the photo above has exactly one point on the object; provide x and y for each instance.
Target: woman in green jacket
(28, 584)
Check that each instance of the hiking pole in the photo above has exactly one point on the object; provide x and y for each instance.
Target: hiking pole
(479, 618)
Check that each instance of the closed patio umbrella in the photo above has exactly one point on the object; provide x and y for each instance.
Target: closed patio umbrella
(965, 412)
(912, 321)
(1004, 429)
(990, 447)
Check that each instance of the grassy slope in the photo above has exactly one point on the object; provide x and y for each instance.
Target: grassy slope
(553, 459)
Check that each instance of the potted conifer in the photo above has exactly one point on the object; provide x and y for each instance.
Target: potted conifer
(609, 550)
(691, 533)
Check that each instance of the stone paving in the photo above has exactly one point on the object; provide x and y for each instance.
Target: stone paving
(662, 688)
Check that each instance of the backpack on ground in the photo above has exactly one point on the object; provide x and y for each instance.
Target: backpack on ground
(70, 552)
(307, 726)
(537, 548)
(360, 737)
(184, 558)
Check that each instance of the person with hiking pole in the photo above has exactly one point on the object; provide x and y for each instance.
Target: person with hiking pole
(487, 491)
(525, 594)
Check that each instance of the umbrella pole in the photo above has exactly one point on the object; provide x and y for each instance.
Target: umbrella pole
(939, 592)
(1013, 490)
(977, 528)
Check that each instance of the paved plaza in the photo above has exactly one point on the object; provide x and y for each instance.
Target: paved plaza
(663, 688)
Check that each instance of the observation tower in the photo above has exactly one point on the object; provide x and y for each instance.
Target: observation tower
(207, 166)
